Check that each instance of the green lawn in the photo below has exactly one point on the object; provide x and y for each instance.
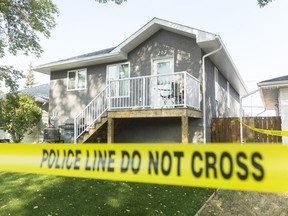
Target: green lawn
(29, 194)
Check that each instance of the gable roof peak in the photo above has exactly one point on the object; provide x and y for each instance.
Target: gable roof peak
(154, 26)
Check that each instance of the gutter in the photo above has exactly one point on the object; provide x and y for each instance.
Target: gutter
(73, 62)
(204, 88)
(272, 85)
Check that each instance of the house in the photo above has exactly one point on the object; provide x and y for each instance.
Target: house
(41, 95)
(149, 88)
(274, 94)
(3, 87)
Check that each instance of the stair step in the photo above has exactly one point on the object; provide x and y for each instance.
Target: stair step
(92, 130)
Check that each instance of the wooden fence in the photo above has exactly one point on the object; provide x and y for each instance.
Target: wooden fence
(228, 129)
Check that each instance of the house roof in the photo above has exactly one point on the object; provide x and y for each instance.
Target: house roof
(77, 58)
(269, 90)
(208, 42)
(283, 80)
(40, 93)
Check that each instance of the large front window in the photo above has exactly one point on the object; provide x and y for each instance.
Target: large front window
(77, 79)
(115, 74)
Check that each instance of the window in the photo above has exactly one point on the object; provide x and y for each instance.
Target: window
(119, 88)
(216, 83)
(162, 67)
(77, 79)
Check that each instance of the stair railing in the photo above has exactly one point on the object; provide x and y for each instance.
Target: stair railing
(91, 113)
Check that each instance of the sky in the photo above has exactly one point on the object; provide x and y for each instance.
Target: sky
(256, 38)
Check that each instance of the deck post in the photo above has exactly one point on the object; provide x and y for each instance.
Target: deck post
(184, 129)
(110, 130)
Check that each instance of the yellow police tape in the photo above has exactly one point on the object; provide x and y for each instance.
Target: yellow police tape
(268, 132)
(265, 131)
(256, 167)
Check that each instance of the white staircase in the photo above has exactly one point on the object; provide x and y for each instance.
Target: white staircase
(92, 113)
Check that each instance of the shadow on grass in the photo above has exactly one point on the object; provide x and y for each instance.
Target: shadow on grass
(29, 194)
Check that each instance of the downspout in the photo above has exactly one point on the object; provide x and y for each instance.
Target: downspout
(204, 89)
(261, 112)
(241, 112)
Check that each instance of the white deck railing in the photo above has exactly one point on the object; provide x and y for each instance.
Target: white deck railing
(159, 91)
(146, 92)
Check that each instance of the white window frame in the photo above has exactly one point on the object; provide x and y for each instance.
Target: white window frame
(216, 81)
(117, 87)
(77, 79)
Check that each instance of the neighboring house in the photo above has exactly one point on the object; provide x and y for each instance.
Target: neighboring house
(41, 95)
(3, 87)
(274, 94)
(147, 89)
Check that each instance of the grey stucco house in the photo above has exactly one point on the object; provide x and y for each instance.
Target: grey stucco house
(274, 94)
(164, 83)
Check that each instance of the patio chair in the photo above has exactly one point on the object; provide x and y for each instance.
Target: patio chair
(167, 93)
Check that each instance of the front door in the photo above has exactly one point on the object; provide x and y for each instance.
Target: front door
(162, 82)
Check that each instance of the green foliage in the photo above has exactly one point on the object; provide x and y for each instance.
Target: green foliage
(21, 21)
(19, 114)
(20, 24)
(263, 3)
(116, 1)
(10, 75)
(30, 80)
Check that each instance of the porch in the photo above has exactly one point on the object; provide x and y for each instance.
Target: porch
(174, 95)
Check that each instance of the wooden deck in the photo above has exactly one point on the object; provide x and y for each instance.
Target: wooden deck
(143, 100)
(183, 113)
(150, 113)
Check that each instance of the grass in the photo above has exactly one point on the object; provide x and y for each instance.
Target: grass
(230, 202)
(30, 194)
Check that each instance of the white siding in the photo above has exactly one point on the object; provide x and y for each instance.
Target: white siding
(283, 105)
(37, 135)
(216, 81)
(3, 135)
(228, 94)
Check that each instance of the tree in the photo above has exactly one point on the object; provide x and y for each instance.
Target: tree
(19, 114)
(21, 22)
(116, 1)
(263, 3)
(10, 75)
(30, 80)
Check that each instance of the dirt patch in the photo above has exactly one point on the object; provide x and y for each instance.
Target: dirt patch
(227, 202)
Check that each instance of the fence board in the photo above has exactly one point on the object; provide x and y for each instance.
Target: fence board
(228, 130)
